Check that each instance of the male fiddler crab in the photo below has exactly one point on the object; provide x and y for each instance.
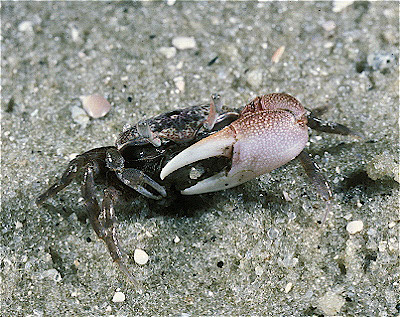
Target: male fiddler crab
(156, 157)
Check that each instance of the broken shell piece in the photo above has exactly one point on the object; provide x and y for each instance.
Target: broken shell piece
(278, 54)
(339, 5)
(180, 83)
(184, 42)
(96, 106)
(168, 52)
(118, 297)
(140, 257)
(79, 116)
(354, 227)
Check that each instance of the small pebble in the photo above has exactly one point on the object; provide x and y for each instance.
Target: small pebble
(168, 52)
(389, 36)
(96, 106)
(328, 44)
(140, 257)
(354, 227)
(18, 225)
(328, 25)
(177, 239)
(383, 165)
(382, 246)
(118, 297)
(288, 287)
(381, 60)
(254, 78)
(180, 83)
(286, 196)
(196, 172)
(183, 42)
(179, 65)
(331, 303)
(52, 274)
(339, 5)
(25, 26)
(348, 216)
(258, 270)
(391, 224)
(75, 34)
(272, 233)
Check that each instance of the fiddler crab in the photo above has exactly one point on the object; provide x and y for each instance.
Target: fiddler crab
(156, 157)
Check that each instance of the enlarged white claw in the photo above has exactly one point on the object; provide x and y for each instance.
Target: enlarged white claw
(218, 182)
(219, 144)
(270, 132)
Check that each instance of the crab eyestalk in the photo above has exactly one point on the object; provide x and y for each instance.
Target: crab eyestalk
(215, 109)
(144, 130)
(270, 131)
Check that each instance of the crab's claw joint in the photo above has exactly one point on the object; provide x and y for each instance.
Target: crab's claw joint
(271, 131)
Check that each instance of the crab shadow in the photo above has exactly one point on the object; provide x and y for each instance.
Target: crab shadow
(193, 206)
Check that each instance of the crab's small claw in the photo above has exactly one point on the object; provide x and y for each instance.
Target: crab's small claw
(270, 131)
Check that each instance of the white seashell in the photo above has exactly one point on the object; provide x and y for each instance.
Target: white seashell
(96, 106)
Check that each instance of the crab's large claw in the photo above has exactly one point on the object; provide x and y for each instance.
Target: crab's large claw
(271, 131)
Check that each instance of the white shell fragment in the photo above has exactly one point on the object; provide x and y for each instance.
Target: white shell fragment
(383, 165)
(196, 172)
(168, 52)
(354, 227)
(254, 78)
(25, 26)
(79, 116)
(329, 25)
(331, 303)
(96, 106)
(118, 297)
(183, 42)
(180, 83)
(339, 5)
(140, 257)
(288, 287)
(278, 54)
(51, 274)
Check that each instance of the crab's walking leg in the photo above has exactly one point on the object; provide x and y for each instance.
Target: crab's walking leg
(318, 180)
(329, 126)
(103, 220)
(74, 168)
(65, 180)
